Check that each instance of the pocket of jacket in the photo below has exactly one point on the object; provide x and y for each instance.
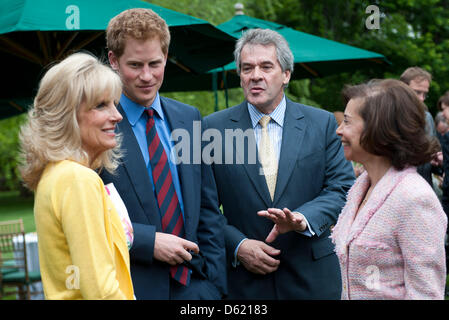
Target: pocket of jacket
(372, 245)
(322, 248)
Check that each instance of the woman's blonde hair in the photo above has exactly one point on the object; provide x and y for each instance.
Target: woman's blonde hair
(52, 132)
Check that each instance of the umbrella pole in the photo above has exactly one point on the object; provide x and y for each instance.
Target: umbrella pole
(214, 87)
(225, 87)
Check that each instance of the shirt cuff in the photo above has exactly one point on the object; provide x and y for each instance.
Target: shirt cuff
(236, 262)
(308, 232)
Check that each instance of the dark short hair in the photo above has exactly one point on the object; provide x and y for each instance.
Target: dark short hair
(415, 73)
(394, 122)
(443, 99)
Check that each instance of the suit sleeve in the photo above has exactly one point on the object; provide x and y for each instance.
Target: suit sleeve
(142, 249)
(323, 211)
(232, 236)
(420, 235)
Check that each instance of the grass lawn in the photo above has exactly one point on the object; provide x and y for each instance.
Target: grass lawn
(12, 207)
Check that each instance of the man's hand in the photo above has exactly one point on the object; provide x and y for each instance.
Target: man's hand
(172, 249)
(256, 256)
(284, 221)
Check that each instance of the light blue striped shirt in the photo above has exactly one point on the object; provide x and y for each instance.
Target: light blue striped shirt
(275, 130)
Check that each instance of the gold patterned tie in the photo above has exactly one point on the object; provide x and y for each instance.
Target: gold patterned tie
(267, 157)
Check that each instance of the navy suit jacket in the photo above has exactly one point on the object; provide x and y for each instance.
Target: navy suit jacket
(203, 221)
(313, 178)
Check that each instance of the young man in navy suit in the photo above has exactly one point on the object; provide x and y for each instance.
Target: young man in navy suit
(279, 208)
(178, 248)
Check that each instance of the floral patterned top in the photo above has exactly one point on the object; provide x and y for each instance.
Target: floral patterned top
(123, 213)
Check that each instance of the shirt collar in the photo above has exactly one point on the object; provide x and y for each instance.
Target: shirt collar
(134, 110)
(277, 115)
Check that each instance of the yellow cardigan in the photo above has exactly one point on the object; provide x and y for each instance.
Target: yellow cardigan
(82, 245)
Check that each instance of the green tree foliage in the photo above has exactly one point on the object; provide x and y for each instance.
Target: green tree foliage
(217, 12)
(9, 146)
(214, 11)
(411, 33)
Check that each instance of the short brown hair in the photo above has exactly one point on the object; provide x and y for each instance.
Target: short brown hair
(443, 99)
(415, 73)
(394, 122)
(138, 23)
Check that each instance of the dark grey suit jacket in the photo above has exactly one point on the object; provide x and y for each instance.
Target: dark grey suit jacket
(203, 221)
(313, 178)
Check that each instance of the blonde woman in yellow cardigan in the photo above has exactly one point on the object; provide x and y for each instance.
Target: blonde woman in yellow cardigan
(69, 136)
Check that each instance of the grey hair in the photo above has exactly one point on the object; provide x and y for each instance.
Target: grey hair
(266, 37)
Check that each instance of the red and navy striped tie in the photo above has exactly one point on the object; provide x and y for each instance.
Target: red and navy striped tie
(172, 221)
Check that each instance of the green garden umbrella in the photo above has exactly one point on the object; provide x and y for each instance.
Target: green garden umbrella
(34, 33)
(313, 56)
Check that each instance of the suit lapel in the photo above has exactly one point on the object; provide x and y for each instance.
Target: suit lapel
(134, 165)
(344, 230)
(175, 119)
(241, 120)
(379, 195)
(292, 138)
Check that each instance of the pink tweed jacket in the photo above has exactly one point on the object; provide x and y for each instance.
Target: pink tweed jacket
(394, 247)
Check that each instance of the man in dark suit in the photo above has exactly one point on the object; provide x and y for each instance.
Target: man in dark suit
(299, 179)
(178, 249)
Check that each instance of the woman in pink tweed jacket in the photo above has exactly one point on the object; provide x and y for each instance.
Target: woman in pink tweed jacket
(389, 237)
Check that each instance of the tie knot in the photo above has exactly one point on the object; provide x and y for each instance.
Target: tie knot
(264, 121)
(150, 112)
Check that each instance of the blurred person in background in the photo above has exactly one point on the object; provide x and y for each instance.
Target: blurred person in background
(441, 125)
(443, 105)
(419, 81)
